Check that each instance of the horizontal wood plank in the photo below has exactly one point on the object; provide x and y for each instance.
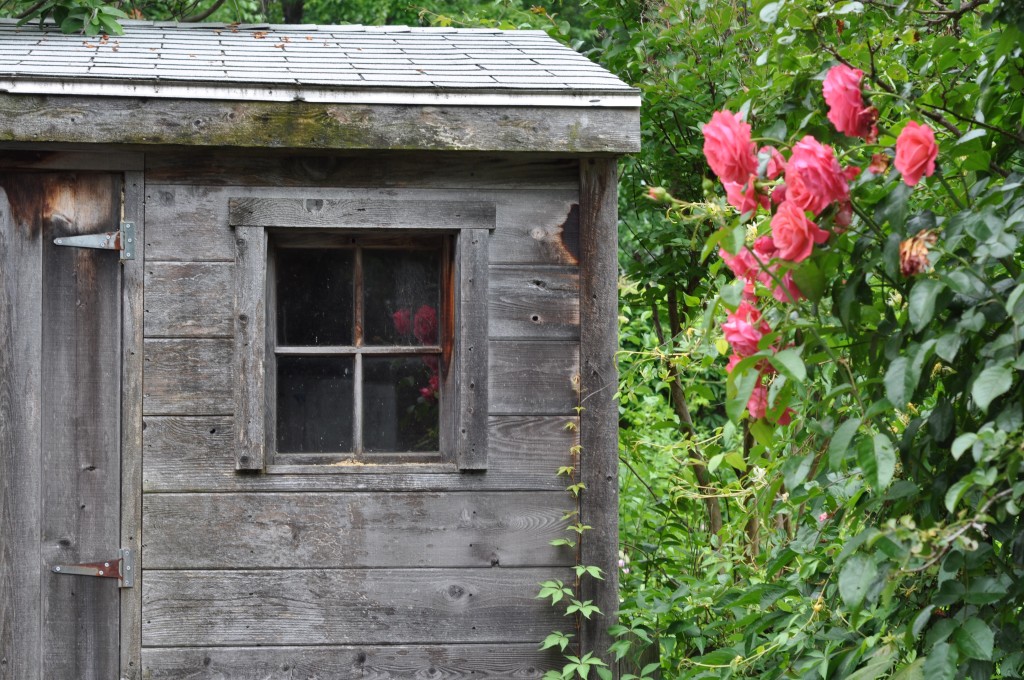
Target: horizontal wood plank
(190, 223)
(268, 168)
(359, 213)
(53, 159)
(307, 125)
(187, 376)
(369, 662)
(182, 454)
(271, 530)
(533, 377)
(346, 606)
(189, 299)
(534, 302)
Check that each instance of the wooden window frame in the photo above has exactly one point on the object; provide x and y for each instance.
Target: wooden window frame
(464, 422)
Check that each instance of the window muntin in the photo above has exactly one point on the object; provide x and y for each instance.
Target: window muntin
(356, 330)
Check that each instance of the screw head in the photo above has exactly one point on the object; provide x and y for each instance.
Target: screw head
(56, 568)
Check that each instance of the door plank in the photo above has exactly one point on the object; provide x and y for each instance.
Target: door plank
(347, 606)
(81, 407)
(387, 662)
(20, 425)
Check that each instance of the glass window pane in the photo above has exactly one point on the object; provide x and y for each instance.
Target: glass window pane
(401, 293)
(400, 404)
(314, 296)
(314, 404)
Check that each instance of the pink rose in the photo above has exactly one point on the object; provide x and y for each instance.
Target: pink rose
(744, 197)
(776, 163)
(779, 194)
(758, 403)
(429, 393)
(425, 325)
(813, 176)
(403, 321)
(916, 151)
(766, 249)
(846, 107)
(744, 329)
(728, 148)
(742, 264)
(795, 235)
(787, 291)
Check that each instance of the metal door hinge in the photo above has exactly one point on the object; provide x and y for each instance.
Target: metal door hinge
(123, 568)
(123, 240)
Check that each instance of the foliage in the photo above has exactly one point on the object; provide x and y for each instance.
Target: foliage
(877, 534)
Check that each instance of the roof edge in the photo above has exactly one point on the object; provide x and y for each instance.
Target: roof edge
(625, 98)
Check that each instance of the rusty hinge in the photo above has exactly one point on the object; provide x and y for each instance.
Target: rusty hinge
(123, 568)
(123, 240)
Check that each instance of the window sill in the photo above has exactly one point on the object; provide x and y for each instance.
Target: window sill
(355, 468)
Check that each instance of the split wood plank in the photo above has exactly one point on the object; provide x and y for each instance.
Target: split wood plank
(346, 606)
(355, 530)
(197, 454)
(372, 662)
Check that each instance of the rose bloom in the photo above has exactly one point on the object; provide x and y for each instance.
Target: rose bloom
(744, 197)
(742, 264)
(846, 108)
(425, 325)
(916, 151)
(744, 329)
(788, 291)
(728, 148)
(403, 321)
(795, 235)
(757, 405)
(776, 163)
(813, 176)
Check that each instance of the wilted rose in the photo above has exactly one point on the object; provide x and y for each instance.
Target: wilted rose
(728, 148)
(914, 252)
(916, 151)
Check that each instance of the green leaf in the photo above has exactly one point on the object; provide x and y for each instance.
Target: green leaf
(850, 7)
(878, 461)
(972, 134)
(840, 444)
(922, 302)
(790, 364)
(955, 493)
(990, 383)
(962, 443)
(914, 671)
(975, 639)
(896, 382)
(877, 665)
(940, 664)
(856, 577)
(740, 385)
(809, 278)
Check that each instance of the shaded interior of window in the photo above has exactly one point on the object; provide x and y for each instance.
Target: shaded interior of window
(357, 349)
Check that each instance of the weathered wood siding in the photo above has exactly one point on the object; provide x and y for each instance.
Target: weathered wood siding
(376, 573)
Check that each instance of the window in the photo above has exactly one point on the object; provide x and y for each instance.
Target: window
(355, 342)
(360, 334)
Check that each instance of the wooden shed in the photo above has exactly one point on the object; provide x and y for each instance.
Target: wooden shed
(297, 326)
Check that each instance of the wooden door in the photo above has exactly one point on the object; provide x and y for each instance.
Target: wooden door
(60, 426)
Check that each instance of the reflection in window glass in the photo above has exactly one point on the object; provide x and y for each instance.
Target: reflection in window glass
(400, 403)
(402, 295)
(314, 296)
(314, 404)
